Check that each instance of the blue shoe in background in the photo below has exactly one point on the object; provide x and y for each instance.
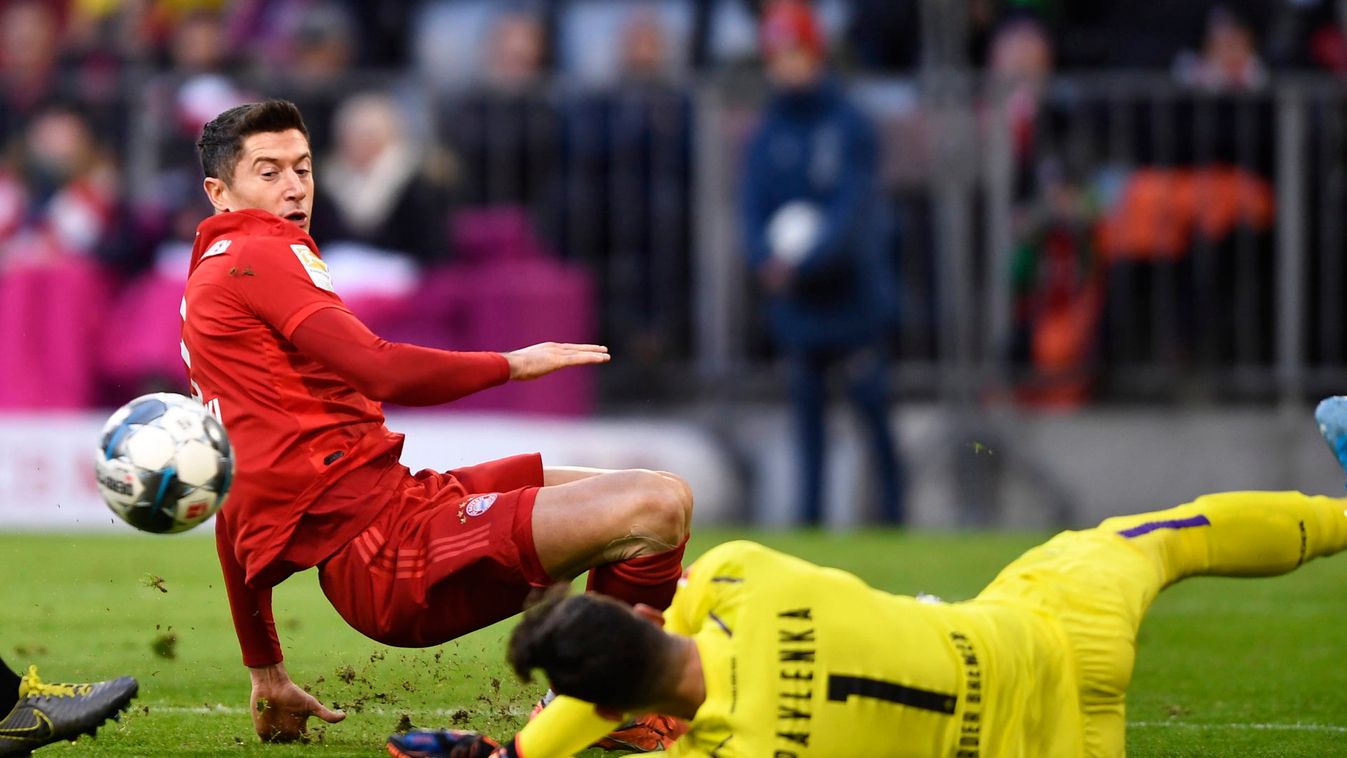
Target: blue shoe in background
(1331, 416)
(446, 743)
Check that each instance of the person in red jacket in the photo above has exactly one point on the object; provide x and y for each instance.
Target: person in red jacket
(406, 559)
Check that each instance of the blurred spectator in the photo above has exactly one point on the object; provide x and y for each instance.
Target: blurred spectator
(31, 37)
(1117, 35)
(631, 154)
(1229, 59)
(817, 239)
(1328, 41)
(600, 41)
(61, 196)
(378, 31)
(115, 30)
(449, 39)
(200, 82)
(380, 192)
(200, 45)
(312, 65)
(29, 53)
(732, 26)
(645, 49)
(1197, 213)
(58, 216)
(323, 45)
(505, 129)
(1020, 62)
(515, 57)
(1056, 275)
(99, 41)
(1021, 57)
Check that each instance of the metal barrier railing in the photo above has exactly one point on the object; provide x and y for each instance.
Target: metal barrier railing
(1114, 236)
(1110, 237)
(1215, 224)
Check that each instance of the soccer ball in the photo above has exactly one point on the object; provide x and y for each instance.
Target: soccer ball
(164, 463)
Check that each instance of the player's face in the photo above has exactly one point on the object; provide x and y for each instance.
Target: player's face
(274, 174)
(794, 67)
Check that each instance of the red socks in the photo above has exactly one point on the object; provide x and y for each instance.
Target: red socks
(650, 579)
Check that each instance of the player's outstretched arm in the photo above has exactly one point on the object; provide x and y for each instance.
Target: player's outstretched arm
(394, 371)
(545, 357)
(280, 709)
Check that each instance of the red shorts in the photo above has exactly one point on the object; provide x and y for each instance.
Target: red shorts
(451, 553)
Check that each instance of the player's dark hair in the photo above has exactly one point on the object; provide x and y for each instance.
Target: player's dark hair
(221, 141)
(594, 648)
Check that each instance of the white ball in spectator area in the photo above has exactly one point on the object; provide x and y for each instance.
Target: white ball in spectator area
(164, 464)
(794, 229)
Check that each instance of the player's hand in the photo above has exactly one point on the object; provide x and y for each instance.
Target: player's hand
(280, 709)
(538, 360)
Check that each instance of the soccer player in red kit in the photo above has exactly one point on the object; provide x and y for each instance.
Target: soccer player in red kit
(407, 559)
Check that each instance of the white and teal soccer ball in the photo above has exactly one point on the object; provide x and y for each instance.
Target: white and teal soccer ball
(164, 463)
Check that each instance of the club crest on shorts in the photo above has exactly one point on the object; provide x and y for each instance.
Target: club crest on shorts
(479, 505)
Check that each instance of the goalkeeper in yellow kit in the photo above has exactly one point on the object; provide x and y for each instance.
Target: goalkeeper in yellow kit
(764, 654)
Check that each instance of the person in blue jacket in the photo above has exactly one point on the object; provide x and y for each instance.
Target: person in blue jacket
(818, 236)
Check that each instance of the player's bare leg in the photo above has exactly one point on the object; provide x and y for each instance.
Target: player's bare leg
(554, 475)
(630, 528)
(612, 516)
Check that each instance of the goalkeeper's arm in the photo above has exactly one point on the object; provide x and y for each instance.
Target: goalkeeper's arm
(565, 727)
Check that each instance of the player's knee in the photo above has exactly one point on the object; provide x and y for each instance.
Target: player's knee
(664, 508)
(682, 496)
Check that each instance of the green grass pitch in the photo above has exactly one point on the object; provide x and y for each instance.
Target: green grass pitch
(1225, 668)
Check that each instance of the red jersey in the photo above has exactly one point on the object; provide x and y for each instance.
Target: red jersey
(296, 427)
(312, 453)
(315, 464)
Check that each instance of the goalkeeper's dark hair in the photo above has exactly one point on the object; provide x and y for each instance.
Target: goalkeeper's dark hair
(594, 648)
(222, 138)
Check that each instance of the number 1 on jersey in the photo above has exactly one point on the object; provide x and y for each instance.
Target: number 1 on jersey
(842, 687)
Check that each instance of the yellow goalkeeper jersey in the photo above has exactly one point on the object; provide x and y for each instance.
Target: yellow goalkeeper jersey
(801, 660)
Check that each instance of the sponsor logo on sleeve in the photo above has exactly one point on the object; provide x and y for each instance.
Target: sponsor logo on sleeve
(315, 267)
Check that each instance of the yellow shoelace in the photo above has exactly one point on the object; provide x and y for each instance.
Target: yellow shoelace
(32, 686)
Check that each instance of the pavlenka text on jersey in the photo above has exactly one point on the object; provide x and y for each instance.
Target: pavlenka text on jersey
(796, 646)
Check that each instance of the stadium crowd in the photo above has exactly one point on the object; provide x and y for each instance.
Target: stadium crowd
(544, 151)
